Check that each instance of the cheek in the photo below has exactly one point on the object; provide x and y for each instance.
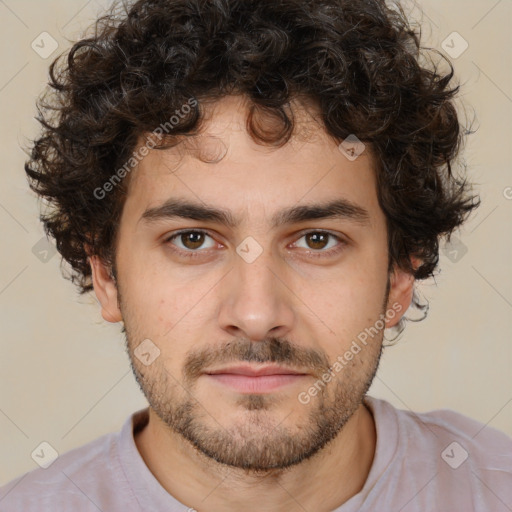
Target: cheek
(164, 306)
(345, 306)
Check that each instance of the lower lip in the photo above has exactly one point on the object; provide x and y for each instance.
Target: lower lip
(261, 384)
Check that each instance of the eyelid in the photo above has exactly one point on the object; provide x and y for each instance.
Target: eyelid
(175, 234)
(334, 234)
(342, 241)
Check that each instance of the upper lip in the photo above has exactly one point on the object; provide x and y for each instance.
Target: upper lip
(251, 371)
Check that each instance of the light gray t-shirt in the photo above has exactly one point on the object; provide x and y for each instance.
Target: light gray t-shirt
(440, 461)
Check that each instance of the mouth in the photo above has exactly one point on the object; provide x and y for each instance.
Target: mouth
(251, 379)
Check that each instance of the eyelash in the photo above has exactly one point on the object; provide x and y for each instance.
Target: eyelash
(198, 253)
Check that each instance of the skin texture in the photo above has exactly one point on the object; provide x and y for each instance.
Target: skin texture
(211, 447)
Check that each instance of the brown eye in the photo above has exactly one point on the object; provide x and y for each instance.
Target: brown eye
(190, 241)
(321, 243)
(317, 240)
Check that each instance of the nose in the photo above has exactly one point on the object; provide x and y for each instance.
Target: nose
(256, 300)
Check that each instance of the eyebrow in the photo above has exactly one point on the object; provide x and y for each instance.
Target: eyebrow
(184, 209)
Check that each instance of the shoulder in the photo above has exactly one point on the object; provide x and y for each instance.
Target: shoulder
(486, 445)
(72, 482)
(450, 458)
(442, 425)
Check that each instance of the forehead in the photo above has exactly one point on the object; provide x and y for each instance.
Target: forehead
(225, 167)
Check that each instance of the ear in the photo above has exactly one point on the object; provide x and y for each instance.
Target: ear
(105, 289)
(400, 294)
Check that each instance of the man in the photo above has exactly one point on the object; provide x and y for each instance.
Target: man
(253, 188)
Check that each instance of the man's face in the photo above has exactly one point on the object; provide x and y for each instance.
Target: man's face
(266, 292)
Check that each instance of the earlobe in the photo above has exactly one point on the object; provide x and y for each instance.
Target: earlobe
(105, 289)
(400, 295)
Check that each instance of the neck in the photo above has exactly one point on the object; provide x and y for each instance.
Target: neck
(340, 470)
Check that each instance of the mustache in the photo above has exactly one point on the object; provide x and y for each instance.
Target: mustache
(270, 350)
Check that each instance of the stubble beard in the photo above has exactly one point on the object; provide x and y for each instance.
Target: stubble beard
(260, 442)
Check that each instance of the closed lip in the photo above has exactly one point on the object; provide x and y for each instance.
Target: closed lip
(251, 371)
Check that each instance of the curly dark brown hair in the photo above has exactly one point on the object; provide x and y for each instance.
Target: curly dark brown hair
(359, 61)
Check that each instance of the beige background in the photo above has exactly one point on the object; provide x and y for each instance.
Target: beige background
(65, 378)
